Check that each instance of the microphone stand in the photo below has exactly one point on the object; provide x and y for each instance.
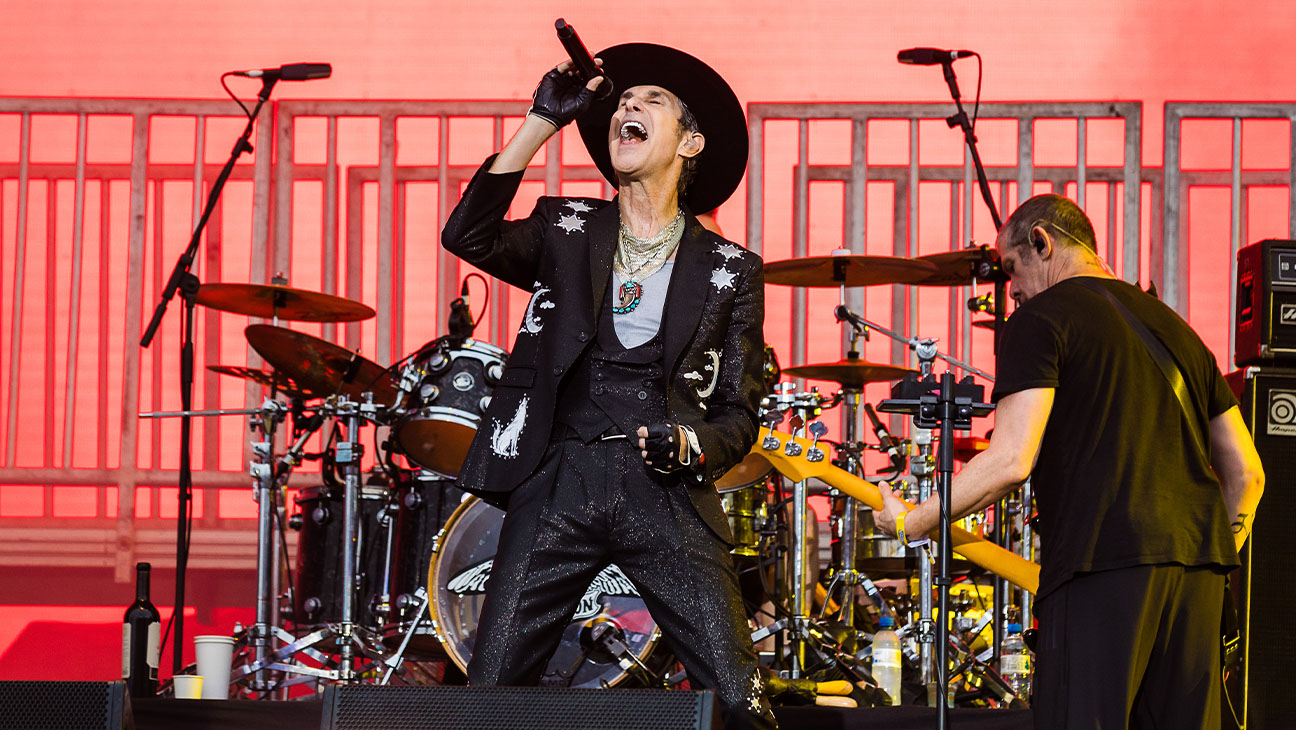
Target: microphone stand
(1001, 534)
(183, 280)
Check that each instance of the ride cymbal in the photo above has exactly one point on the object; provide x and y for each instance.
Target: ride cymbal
(961, 268)
(320, 366)
(274, 300)
(847, 270)
(849, 372)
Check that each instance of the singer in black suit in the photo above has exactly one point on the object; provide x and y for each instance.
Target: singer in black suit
(635, 378)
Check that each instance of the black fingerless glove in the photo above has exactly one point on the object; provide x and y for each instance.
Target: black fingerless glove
(560, 97)
(671, 447)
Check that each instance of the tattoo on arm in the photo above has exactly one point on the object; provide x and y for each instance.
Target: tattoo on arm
(1239, 524)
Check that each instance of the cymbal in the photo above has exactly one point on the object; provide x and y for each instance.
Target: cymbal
(277, 380)
(985, 324)
(321, 367)
(966, 447)
(273, 300)
(959, 268)
(847, 270)
(849, 372)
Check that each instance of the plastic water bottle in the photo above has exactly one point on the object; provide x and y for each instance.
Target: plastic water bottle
(1015, 663)
(886, 659)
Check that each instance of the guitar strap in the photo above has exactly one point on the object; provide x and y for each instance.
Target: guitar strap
(1231, 641)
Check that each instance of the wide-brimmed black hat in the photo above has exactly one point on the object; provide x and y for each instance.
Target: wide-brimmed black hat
(720, 116)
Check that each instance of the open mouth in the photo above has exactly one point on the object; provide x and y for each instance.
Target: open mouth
(633, 131)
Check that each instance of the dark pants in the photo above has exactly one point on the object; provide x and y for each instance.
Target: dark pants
(1135, 647)
(591, 505)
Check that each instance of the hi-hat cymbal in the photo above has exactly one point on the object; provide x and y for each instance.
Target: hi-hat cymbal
(849, 372)
(961, 268)
(847, 270)
(273, 300)
(276, 380)
(320, 366)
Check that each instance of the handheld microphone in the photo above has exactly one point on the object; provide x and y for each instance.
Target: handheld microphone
(582, 60)
(291, 72)
(888, 442)
(930, 56)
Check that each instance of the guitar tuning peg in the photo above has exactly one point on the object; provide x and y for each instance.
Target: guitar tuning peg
(818, 429)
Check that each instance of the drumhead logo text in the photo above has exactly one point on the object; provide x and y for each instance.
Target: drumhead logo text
(610, 582)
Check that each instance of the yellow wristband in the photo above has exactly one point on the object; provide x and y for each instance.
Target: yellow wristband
(900, 532)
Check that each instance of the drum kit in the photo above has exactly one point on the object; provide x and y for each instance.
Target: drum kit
(392, 559)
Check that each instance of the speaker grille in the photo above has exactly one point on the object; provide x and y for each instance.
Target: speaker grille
(61, 705)
(512, 708)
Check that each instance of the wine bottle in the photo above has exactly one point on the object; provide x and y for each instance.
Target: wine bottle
(140, 639)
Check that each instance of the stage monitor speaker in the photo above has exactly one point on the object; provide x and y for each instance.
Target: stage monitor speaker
(361, 707)
(1266, 592)
(1265, 332)
(65, 706)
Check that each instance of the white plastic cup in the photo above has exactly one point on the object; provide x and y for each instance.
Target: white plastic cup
(188, 686)
(215, 654)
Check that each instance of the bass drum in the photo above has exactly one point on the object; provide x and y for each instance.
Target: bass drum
(461, 561)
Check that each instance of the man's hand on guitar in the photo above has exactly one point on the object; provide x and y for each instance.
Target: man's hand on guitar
(892, 505)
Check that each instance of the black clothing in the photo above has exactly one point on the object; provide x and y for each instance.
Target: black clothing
(1134, 531)
(712, 340)
(576, 504)
(1119, 480)
(591, 504)
(613, 388)
(1143, 660)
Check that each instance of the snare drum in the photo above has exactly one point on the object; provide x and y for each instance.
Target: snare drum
(461, 561)
(445, 392)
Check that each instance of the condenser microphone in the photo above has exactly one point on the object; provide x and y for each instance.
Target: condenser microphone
(291, 72)
(888, 442)
(930, 56)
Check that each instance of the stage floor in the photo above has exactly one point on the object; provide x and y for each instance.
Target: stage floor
(167, 714)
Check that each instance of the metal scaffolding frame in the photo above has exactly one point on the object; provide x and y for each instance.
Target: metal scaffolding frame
(117, 542)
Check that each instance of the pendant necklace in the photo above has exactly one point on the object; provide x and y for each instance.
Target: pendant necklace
(639, 258)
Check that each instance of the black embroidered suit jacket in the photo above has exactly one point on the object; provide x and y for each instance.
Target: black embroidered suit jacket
(562, 252)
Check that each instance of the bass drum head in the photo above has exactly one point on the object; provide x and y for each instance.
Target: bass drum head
(461, 562)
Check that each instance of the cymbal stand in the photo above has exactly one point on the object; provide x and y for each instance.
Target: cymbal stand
(923, 468)
(847, 528)
(266, 476)
(351, 645)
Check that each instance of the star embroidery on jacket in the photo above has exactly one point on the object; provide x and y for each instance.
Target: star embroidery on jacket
(571, 223)
(578, 206)
(729, 251)
(722, 278)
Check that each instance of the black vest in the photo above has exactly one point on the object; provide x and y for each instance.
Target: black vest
(612, 388)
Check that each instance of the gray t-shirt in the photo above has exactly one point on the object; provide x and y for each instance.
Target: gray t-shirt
(637, 327)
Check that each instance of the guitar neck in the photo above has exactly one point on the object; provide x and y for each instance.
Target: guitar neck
(797, 466)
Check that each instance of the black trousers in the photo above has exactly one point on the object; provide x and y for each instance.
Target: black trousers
(589, 505)
(1135, 647)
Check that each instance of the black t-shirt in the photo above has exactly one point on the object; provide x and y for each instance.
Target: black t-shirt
(1119, 480)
